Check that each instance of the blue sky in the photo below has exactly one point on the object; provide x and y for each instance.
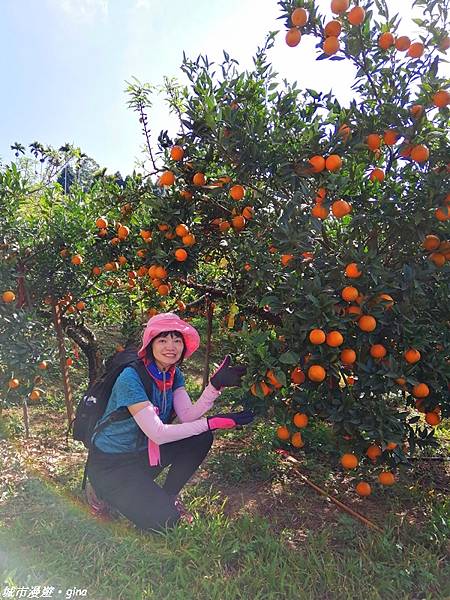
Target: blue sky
(64, 64)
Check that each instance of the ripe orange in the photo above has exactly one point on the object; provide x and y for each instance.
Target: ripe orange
(363, 489)
(391, 446)
(96, 270)
(432, 418)
(438, 259)
(176, 152)
(388, 301)
(283, 433)
(43, 365)
(317, 336)
(80, 305)
(189, 239)
(122, 260)
(420, 153)
(316, 373)
(373, 141)
(401, 381)
(237, 192)
(199, 179)
(296, 440)
(272, 378)
(349, 293)
(317, 163)
(8, 296)
(442, 213)
(356, 15)
(416, 50)
(340, 208)
(338, 7)
(412, 356)
(163, 289)
(319, 212)
(431, 242)
(386, 478)
(181, 230)
(445, 43)
(333, 162)
(69, 361)
(367, 323)
(373, 452)
(186, 195)
(13, 383)
(441, 98)
(300, 420)
(34, 394)
(348, 356)
(297, 376)
(377, 175)
(180, 254)
(160, 272)
(334, 339)
(77, 259)
(123, 232)
(238, 222)
(333, 29)
(352, 271)
(293, 37)
(402, 43)
(101, 223)
(344, 131)
(224, 226)
(331, 45)
(378, 351)
(286, 259)
(349, 461)
(299, 17)
(247, 213)
(390, 137)
(166, 179)
(416, 111)
(386, 40)
(420, 390)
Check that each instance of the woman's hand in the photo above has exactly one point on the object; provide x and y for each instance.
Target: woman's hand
(227, 376)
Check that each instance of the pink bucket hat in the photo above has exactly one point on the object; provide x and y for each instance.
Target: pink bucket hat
(170, 322)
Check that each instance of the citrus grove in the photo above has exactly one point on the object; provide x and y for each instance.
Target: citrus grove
(318, 233)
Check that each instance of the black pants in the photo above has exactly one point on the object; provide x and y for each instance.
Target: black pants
(126, 481)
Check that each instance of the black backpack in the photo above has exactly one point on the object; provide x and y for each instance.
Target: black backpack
(93, 404)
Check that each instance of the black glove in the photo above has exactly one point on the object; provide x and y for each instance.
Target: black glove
(227, 376)
(230, 420)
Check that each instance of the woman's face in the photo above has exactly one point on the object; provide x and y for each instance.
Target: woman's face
(167, 350)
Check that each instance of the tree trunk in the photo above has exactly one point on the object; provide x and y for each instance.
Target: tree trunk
(62, 361)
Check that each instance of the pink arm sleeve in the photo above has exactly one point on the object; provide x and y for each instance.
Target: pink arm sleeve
(160, 433)
(186, 411)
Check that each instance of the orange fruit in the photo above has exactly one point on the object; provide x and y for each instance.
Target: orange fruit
(432, 418)
(237, 192)
(378, 351)
(400, 381)
(349, 293)
(176, 152)
(77, 259)
(13, 383)
(247, 213)
(348, 356)
(297, 376)
(122, 260)
(386, 478)
(299, 17)
(238, 222)
(163, 227)
(300, 420)
(402, 43)
(352, 271)
(189, 239)
(420, 153)
(317, 163)
(367, 323)
(420, 390)
(34, 394)
(319, 212)
(338, 7)
(349, 461)
(438, 259)
(296, 440)
(363, 489)
(445, 43)
(286, 259)
(442, 213)
(377, 175)
(416, 111)
(181, 230)
(373, 452)
(317, 336)
(344, 131)
(340, 208)
(180, 254)
(8, 296)
(96, 270)
(333, 29)
(412, 356)
(441, 98)
(391, 446)
(334, 339)
(293, 37)
(416, 50)
(199, 179)
(69, 361)
(373, 141)
(390, 137)
(101, 222)
(283, 433)
(431, 242)
(80, 305)
(166, 179)
(331, 45)
(123, 232)
(273, 379)
(43, 365)
(160, 272)
(316, 373)
(356, 16)
(224, 226)
(186, 195)
(386, 40)
(163, 289)
(333, 163)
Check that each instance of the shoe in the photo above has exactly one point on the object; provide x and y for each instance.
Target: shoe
(98, 507)
(185, 515)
